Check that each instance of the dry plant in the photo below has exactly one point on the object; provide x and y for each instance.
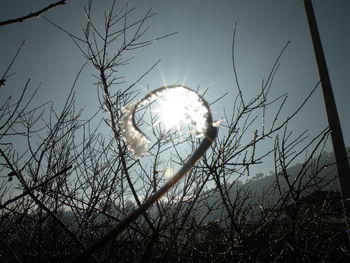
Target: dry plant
(66, 184)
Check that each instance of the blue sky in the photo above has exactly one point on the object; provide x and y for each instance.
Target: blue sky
(199, 55)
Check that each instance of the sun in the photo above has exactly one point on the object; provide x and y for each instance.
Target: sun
(175, 106)
(178, 106)
(172, 111)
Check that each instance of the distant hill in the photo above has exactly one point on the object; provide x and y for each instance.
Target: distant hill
(318, 174)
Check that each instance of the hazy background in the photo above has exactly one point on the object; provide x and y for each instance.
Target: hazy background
(199, 55)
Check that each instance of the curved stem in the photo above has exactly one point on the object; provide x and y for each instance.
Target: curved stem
(209, 137)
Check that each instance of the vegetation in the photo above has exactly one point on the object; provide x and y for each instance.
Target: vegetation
(73, 184)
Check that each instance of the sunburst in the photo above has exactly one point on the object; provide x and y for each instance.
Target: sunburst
(178, 105)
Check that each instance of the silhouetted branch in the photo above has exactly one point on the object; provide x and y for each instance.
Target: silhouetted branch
(31, 15)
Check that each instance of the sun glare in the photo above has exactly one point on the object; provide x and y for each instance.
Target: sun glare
(178, 105)
(172, 112)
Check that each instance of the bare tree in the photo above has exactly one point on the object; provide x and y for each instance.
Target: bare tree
(71, 184)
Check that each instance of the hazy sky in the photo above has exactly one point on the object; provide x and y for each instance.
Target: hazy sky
(200, 54)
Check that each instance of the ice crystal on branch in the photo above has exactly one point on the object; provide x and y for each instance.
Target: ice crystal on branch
(178, 105)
